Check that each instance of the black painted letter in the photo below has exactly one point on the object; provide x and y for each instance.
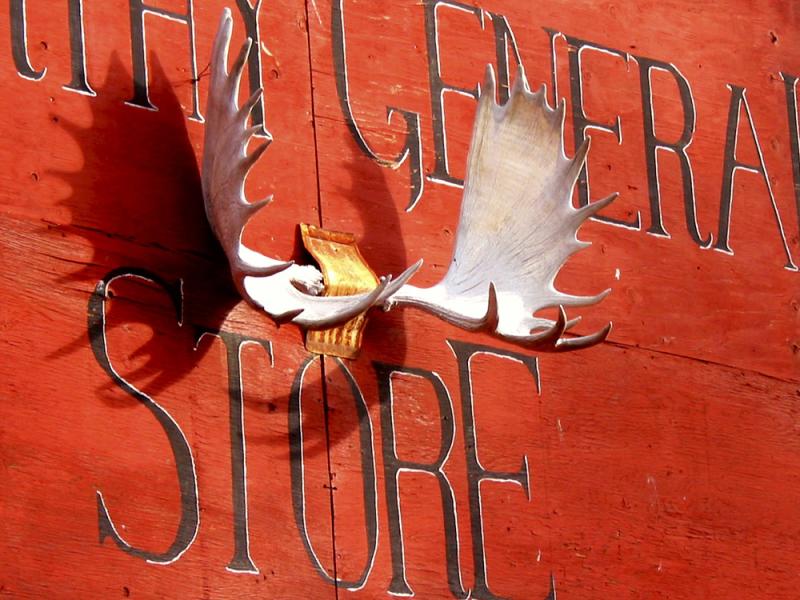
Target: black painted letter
(412, 147)
(77, 48)
(241, 561)
(476, 473)
(393, 465)
(581, 123)
(19, 41)
(503, 38)
(367, 469)
(441, 172)
(732, 164)
(790, 85)
(254, 68)
(652, 145)
(138, 10)
(184, 461)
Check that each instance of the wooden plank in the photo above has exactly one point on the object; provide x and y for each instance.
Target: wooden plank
(660, 464)
(119, 168)
(651, 458)
(638, 486)
(71, 432)
(97, 188)
(670, 504)
(672, 295)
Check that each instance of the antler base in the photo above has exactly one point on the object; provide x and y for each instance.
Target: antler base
(345, 272)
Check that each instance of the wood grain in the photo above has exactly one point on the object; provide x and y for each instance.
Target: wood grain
(661, 464)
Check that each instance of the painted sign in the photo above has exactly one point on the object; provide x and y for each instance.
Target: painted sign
(160, 438)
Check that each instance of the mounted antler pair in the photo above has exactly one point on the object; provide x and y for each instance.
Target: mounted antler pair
(516, 230)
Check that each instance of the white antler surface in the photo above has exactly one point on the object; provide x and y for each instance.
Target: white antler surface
(516, 230)
(270, 284)
(517, 226)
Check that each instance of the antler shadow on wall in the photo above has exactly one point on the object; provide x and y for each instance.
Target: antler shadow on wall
(137, 202)
(137, 198)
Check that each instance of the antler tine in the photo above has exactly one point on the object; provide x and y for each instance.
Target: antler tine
(385, 298)
(576, 164)
(249, 160)
(492, 318)
(235, 75)
(570, 300)
(219, 51)
(359, 305)
(550, 340)
(577, 343)
(247, 107)
(226, 162)
(521, 82)
(590, 209)
(550, 336)
(489, 83)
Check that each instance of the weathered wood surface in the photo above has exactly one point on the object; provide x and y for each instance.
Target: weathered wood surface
(662, 464)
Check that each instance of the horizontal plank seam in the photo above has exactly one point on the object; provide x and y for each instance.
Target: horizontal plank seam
(702, 360)
(129, 239)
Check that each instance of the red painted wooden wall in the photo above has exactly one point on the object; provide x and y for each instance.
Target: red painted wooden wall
(161, 439)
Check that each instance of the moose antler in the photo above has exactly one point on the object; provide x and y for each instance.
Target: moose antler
(287, 292)
(516, 230)
(517, 227)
